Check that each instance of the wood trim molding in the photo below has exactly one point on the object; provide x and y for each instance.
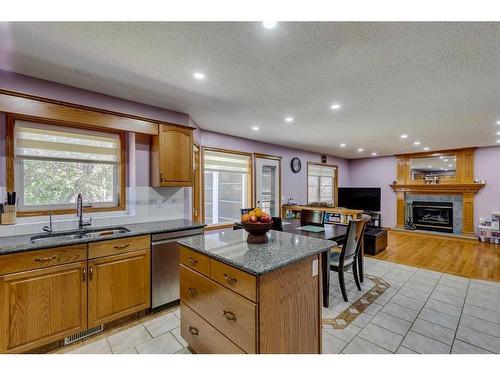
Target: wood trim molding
(45, 109)
(437, 188)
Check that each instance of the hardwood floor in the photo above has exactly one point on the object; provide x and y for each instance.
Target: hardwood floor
(456, 256)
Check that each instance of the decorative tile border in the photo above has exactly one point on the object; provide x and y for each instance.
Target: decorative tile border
(345, 318)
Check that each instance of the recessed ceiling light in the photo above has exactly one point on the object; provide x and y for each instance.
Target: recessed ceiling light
(374, 154)
(289, 119)
(441, 157)
(269, 24)
(426, 148)
(498, 122)
(404, 136)
(335, 106)
(199, 75)
(498, 133)
(430, 166)
(342, 145)
(360, 150)
(498, 140)
(255, 128)
(445, 160)
(450, 165)
(442, 168)
(416, 143)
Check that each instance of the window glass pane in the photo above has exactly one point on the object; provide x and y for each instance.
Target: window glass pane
(320, 183)
(53, 164)
(226, 186)
(67, 178)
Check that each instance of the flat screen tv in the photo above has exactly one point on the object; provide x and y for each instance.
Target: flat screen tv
(366, 199)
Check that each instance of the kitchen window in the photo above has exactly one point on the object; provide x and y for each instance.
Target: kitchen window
(321, 183)
(53, 163)
(227, 185)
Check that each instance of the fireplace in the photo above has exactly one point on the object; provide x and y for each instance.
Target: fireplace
(435, 216)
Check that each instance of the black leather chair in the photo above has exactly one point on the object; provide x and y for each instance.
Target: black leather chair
(312, 217)
(347, 258)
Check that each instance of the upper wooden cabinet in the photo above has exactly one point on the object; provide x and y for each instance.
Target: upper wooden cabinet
(172, 156)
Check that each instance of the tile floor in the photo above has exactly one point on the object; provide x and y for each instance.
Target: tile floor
(421, 312)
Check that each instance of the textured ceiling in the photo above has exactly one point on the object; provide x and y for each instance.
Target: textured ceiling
(437, 82)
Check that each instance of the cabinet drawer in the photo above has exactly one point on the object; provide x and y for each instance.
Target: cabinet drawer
(195, 261)
(231, 314)
(202, 337)
(31, 260)
(234, 279)
(118, 246)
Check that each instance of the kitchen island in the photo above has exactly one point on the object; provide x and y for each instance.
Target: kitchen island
(245, 298)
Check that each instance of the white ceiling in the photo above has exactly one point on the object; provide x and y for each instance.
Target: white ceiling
(437, 82)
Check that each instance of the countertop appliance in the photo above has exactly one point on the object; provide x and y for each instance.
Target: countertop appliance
(165, 266)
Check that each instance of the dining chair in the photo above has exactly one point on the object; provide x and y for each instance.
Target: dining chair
(347, 258)
(312, 217)
(277, 224)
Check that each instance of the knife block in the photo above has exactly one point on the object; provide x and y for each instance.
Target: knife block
(9, 215)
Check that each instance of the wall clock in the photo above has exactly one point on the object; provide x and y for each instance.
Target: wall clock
(296, 165)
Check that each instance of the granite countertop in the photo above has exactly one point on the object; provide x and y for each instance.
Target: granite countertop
(231, 247)
(17, 244)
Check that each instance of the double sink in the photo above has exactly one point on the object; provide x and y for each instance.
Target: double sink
(79, 234)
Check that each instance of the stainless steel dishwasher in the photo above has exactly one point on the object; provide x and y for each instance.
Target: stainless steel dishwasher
(165, 266)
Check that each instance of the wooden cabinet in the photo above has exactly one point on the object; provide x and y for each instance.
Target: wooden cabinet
(41, 306)
(172, 156)
(118, 286)
(226, 310)
(49, 294)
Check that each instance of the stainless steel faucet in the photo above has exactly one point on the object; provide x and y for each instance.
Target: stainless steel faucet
(48, 228)
(79, 213)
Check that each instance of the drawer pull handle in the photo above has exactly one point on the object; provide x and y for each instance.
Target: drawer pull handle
(84, 274)
(91, 273)
(193, 292)
(122, 246)
(45, 259)
(193, 261)
(229, 315)
(230, 280)
(194, 331)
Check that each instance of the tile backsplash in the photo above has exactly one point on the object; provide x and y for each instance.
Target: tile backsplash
(143, 204)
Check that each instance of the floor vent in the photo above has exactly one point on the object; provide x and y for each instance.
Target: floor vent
(82, 335)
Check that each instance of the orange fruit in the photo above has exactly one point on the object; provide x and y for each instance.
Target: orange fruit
(245, 217)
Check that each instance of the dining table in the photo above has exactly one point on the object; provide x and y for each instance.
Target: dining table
(333, 232)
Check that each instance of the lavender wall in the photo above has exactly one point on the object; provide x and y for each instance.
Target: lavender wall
(3, 161)
(293, 184)
(487, 167)
(47, 89)
(377, 172)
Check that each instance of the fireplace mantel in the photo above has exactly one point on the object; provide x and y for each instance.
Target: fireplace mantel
(437, 188)
(462, 184)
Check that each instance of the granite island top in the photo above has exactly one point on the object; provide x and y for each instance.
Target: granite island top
(17, 244)
(282, 249)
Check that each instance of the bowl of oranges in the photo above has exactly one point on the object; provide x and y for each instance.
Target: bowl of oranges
(257, 223)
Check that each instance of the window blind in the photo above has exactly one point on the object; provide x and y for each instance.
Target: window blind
(58, 142)
(320, 171)
(224, 162)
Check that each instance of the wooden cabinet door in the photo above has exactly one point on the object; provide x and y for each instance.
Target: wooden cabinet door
(41, 306)
(119, 285)
(175, 156)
